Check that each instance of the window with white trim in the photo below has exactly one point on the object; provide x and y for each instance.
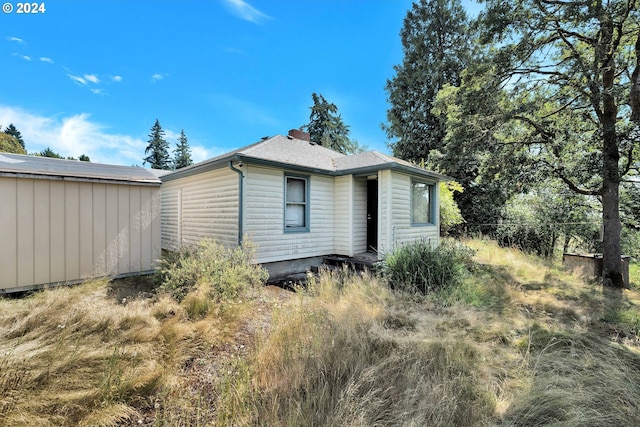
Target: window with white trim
(296, 211)
(421, 203)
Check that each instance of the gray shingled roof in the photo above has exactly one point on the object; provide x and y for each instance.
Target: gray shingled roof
(45, 167)
(293, 151)
(288, 152)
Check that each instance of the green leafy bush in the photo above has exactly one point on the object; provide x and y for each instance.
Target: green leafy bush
(420, 268)
(223, 271)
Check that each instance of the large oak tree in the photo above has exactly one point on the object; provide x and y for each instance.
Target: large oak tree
(558, 83)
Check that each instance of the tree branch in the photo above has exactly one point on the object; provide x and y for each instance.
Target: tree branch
(559, 172)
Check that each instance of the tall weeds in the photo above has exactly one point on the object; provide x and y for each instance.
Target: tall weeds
(420, 268)
(222, 272)
(330, 361)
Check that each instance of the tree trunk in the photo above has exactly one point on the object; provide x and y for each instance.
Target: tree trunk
(612, 253)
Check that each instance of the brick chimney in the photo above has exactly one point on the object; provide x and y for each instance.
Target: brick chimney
(298, 134)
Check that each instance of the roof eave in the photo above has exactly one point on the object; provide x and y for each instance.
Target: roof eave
(223, 161)
(199, 168)
(283, 165)
(63, 177)
(365, 170)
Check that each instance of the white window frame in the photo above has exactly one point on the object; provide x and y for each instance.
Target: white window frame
(304, 203)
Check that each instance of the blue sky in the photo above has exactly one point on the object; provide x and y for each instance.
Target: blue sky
(92, 76)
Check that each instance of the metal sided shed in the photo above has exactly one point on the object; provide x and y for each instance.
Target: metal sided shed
(64, 221)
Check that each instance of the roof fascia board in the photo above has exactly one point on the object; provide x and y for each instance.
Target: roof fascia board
(201, 168)
(396, 167)
(7, 174)
(223, 162)
(282, 165)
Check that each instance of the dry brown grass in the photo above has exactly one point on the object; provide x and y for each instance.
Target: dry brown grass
(82, 356)
(520, 343)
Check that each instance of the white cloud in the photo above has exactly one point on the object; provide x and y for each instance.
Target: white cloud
(116, 79)
(74, 135)
(97, 91)
(157, 77)
(200, 153)
(25, 57)
(45, 59)
(17, 40)
(77, 79)
(92, 78)
(244, 10)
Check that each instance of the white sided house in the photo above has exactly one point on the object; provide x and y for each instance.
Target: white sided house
(299, 201)
(64, 221)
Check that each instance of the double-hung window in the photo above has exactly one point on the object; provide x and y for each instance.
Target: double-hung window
(421, 203)
(296, 206)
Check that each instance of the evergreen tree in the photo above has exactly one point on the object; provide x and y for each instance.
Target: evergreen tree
(437, 45)
(11, 130)
(327, 128)
(48, 152)
(182, 153)
(436, 49)
(158, 149)
(84, 158)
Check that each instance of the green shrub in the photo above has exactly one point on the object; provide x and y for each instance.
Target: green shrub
(420, 268)
(224, 272)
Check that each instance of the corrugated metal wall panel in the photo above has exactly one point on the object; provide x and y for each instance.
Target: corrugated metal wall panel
(112, 218)
(57, 234)
(9, 230)
(42, 229)
(25, 212)
(124, 230)
(56, 231)
(99, 213)
(87, 231)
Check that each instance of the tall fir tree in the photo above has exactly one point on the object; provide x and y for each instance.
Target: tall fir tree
(436, 48)
(327, 128)
(182, 152)
(437, 45)
(11, 130)
(157, 150)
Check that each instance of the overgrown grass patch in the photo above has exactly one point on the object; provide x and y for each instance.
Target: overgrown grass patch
(420, 268)
(579, 379)
(331, 361)
(516, 342)
(210, 271)
(105, 353)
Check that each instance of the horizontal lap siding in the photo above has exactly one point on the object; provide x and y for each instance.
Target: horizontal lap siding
(402, 230)
(385, 226)
(170, 216)
(62, 231)
(200, 206)
(343, 200)
(360, 215)
(264, 216)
